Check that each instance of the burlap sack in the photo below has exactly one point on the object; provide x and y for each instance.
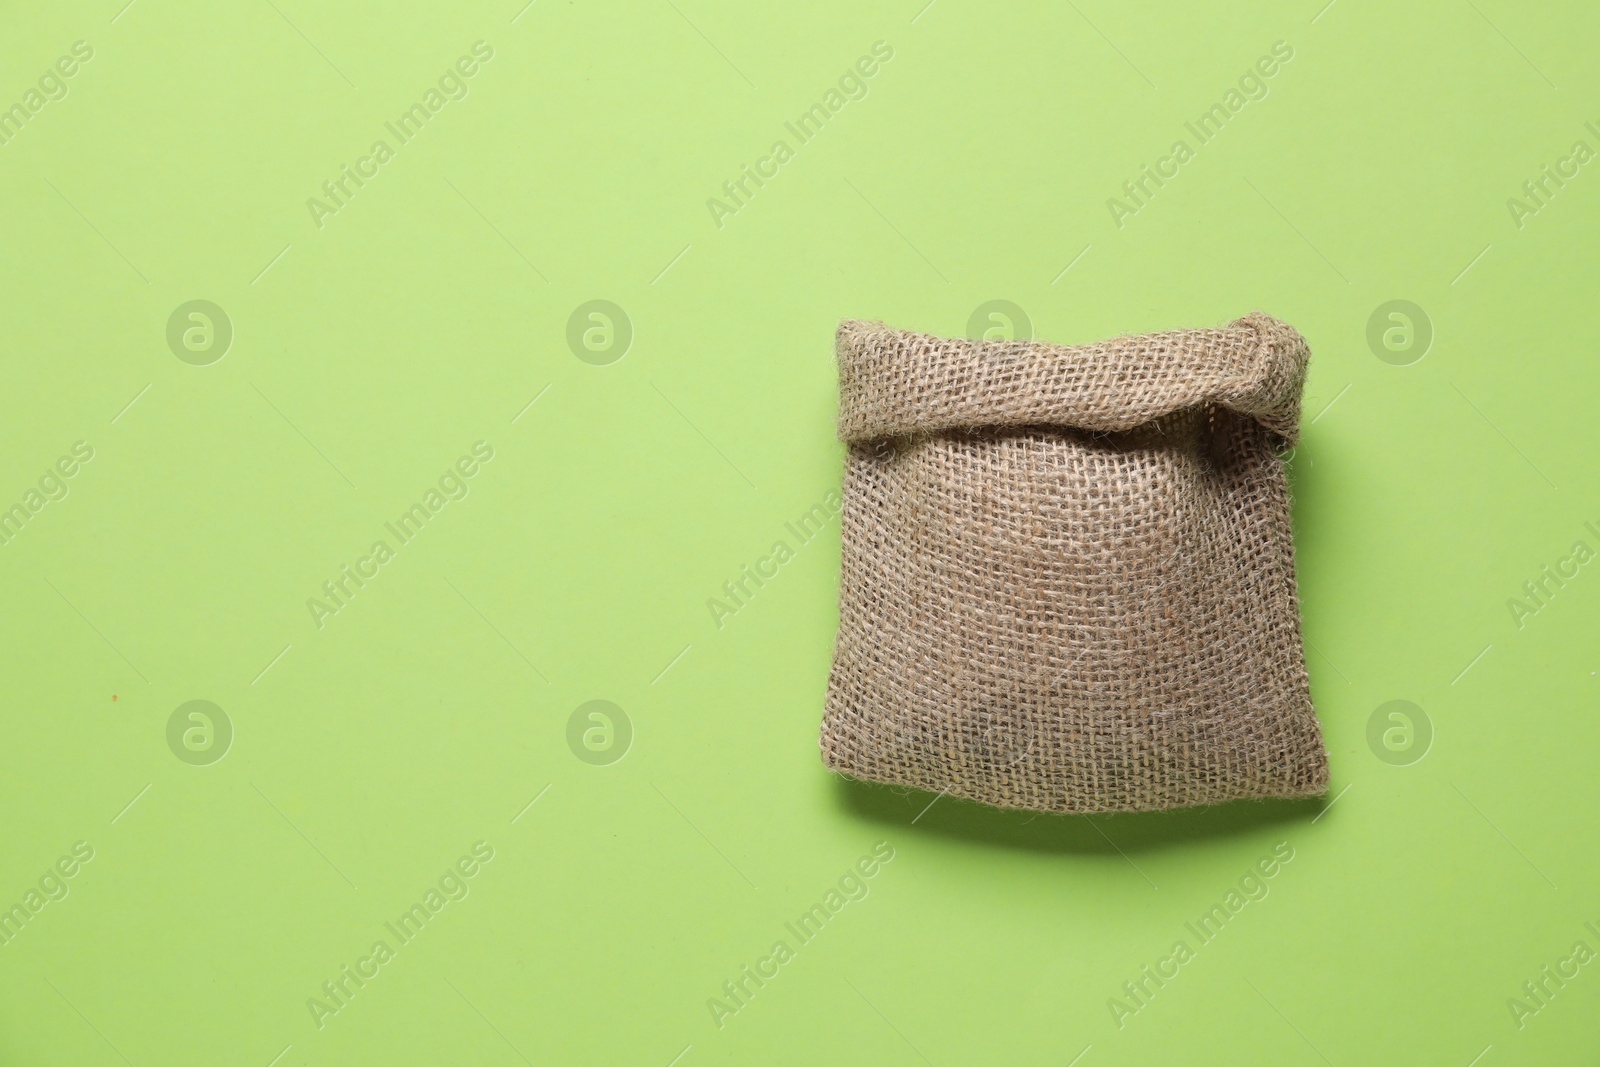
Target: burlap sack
(1068, 580)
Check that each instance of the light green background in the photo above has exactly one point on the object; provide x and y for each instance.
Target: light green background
(371, 353)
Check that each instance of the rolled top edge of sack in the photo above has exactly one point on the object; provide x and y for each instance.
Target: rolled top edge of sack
(895, 383)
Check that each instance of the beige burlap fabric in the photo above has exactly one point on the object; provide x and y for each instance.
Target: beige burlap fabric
(1068, 579)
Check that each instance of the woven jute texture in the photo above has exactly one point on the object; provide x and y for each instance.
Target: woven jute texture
(1068, 578)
